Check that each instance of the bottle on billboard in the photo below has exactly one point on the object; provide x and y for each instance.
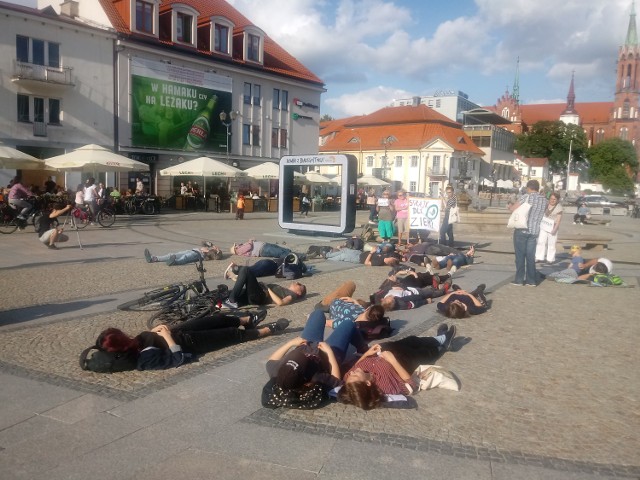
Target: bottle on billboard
(201, 127)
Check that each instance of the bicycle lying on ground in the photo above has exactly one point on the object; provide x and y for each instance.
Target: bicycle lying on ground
(179, 302)
(83, 216)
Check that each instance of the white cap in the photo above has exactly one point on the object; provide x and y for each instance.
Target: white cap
(606, 262)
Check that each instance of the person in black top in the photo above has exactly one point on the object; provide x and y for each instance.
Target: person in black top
(248, 291)
(47, 233)
(460, 304)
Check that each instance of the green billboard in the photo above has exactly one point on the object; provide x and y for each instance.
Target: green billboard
(175, 108)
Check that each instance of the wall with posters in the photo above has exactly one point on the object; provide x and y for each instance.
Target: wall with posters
(177, 108)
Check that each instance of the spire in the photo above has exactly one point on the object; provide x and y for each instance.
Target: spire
(571, 98)
(516, 81)
(632, 34)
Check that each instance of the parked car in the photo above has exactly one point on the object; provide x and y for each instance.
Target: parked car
(597, 201)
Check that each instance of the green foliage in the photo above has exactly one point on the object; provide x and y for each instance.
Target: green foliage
(326, 118)
(614, 163)
(551, 140)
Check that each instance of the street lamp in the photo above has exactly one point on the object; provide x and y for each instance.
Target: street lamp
(386, 141)
(492, 177)
(223, 117)
(568, 166)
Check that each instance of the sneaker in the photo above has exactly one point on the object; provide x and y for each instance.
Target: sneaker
(442, 329)
(278, 326)
(479, 289)
(256, 318)
(371, 222)
(449, 337)
(455, 287)
(530, 284)
(147, 255)
(429, 268)
(52, 247)
(230, 305)
(171, 261)
(452, 270)
(516, 284)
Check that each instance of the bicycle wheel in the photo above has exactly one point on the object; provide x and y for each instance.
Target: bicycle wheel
(176, 314)
(80, 218)
(153, 300)
(130, 208)
(106, 217)
(148, 207)
(7, 224)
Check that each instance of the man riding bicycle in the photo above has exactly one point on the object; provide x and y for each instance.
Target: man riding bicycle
(18, 196)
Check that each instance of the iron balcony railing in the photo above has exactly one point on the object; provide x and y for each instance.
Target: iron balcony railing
(42, 73)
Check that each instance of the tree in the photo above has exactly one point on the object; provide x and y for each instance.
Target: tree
(326, 118)
(552, 140)
(614, 163)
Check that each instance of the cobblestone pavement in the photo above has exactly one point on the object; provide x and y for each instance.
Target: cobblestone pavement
(550, 374)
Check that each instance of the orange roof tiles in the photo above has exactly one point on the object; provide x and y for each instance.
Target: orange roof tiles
(535, 162)
(403, 114)
(276, 59)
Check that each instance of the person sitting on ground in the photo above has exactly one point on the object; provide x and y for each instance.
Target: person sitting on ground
(248, 291)
(386, 369)
(49, 234)
(254, 248)
(453, 262)
(460, 304)
(168, 347)
(582, 214)
(581, 270)
(208, 252)
(371, 259)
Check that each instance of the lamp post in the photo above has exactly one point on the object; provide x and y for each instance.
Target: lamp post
(568, 166)
(386, 141)
(223, 117)
(492, 177)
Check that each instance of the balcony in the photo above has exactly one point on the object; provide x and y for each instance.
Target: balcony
(34, 75)
(39, 129)
(437, 172)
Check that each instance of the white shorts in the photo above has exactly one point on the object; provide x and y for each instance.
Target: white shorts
(46, 236)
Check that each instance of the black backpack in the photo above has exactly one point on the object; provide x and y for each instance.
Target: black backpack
(102, 361)
(309, 398)
(291, 267)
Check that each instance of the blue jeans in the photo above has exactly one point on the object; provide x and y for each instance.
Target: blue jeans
(524, 245)
(273, 251)
(373, 212)
(264, 268)
(182, 258)
(344, 334)
(446, 230)
(345, 255)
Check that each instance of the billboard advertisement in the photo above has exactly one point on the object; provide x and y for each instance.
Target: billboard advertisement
(177, 108)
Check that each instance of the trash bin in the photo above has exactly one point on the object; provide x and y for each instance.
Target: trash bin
(214, 203)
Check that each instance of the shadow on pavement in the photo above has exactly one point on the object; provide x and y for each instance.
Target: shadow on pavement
(21, 315)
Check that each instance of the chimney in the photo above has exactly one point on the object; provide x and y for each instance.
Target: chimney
(415, 101)
(70, 8)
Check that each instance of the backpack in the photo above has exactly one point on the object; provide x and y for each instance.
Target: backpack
(102, 361)
(375, 331)
(607, 280)
(355, 243)
(291, 267)
(367, 234)
(274, 396)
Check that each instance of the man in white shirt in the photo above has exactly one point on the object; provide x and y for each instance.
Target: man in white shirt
(91, 195)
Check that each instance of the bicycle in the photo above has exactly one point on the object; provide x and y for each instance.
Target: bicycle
(9, 221)
(162, 297)
(106, 216)
(146, 205)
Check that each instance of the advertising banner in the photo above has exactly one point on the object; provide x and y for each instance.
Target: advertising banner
(424, 213)
(177, 108)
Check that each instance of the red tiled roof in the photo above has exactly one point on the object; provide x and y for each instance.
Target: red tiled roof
(404, 114)
(276, 59)
(535, 162)
(589, 112)
(330, 126)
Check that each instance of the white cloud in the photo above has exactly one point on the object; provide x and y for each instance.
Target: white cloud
(365, 101)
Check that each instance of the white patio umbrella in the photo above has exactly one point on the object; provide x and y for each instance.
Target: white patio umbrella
(264, 171)
(315, 177)
(504, 184)
(94, 158)
(372, 181)
(13, 159)
(203, 167)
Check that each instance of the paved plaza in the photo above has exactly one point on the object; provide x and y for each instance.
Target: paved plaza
(550, 375)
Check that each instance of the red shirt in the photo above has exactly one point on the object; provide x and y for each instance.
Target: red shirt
(385, 376)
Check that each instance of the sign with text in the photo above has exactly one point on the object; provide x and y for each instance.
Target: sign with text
(177, 108)
(424, 213)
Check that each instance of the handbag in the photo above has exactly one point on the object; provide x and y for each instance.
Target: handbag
(547, 224)
(434, 376)
(519, 217)
(454, 215)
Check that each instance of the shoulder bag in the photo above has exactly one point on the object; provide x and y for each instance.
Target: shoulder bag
(454, 215)
(519, 217)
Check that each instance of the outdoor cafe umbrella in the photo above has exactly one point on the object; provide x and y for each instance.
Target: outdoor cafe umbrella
(13, 159)
(268, 171)
(203, 167)
(94, 158)
(314, 177)
(372, 181)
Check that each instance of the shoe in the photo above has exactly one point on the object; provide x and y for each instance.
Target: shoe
(52, 247)
(429, 268)
(442, 329)
(371, 222)
(516, 284)
(228, 271)
(256, 318)
(449, 337)
(147, 255)
(574, 223)
(581, 223)
(453, 270)
(455, 287)
(230, 305)
(207, 244)
(172, 260)
(530, 284)
(446, 285)
(278, 326)
(479, 289)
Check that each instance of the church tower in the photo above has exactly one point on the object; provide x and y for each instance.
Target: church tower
(570, 116)
(508, 106)
(624, 115)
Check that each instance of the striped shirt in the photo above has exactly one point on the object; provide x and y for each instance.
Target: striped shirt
(385, 376)
(450, 202)
(538, 207)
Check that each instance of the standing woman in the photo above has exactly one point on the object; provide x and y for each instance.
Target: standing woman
(386, 214)
(402, 216)
(449, 201)
(372, 202)
(549, 230)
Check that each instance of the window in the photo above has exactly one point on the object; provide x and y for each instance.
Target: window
(23, 108)
(413, 186)
(624, 133)
(256, 95)
(599, 135)
(276, 99)
(284, 100)
(436, 163)
(54, 111)
(144, 16)
(414, 161)
(283, 138)
(274, 137)
(505, 112)
(246, 134)
(221, 38)
(255, 134)
(38, 109)
(438, 102)
(253, 48)
(398, 161)
(369, 161)
(184, 24)
(626, 106)
(38, 52)
(247, 94)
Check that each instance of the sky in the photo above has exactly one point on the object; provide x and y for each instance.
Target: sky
(370, 52)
